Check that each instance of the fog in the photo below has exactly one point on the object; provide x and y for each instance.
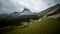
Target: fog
(9, 6)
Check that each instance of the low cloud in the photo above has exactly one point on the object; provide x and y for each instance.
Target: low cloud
(17, 5)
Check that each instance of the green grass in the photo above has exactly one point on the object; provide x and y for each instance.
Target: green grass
(45, 26)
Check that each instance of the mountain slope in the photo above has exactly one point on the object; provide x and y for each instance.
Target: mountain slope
(54, 10)
(51, 8)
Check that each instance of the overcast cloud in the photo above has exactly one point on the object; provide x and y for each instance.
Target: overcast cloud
(33, 5)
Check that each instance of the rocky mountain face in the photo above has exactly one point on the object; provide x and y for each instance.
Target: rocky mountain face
(52, 11)
(26, 12)
(56, 10)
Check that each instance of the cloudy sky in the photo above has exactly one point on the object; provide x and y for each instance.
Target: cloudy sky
(33, 5)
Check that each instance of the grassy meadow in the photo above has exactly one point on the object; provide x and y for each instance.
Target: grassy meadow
(45, 26)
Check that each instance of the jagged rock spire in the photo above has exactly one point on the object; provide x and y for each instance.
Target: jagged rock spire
(26, 9)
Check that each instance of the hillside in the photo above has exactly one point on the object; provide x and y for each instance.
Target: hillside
(45, 26)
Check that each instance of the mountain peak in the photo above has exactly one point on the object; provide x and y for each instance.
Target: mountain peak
(26, 9)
